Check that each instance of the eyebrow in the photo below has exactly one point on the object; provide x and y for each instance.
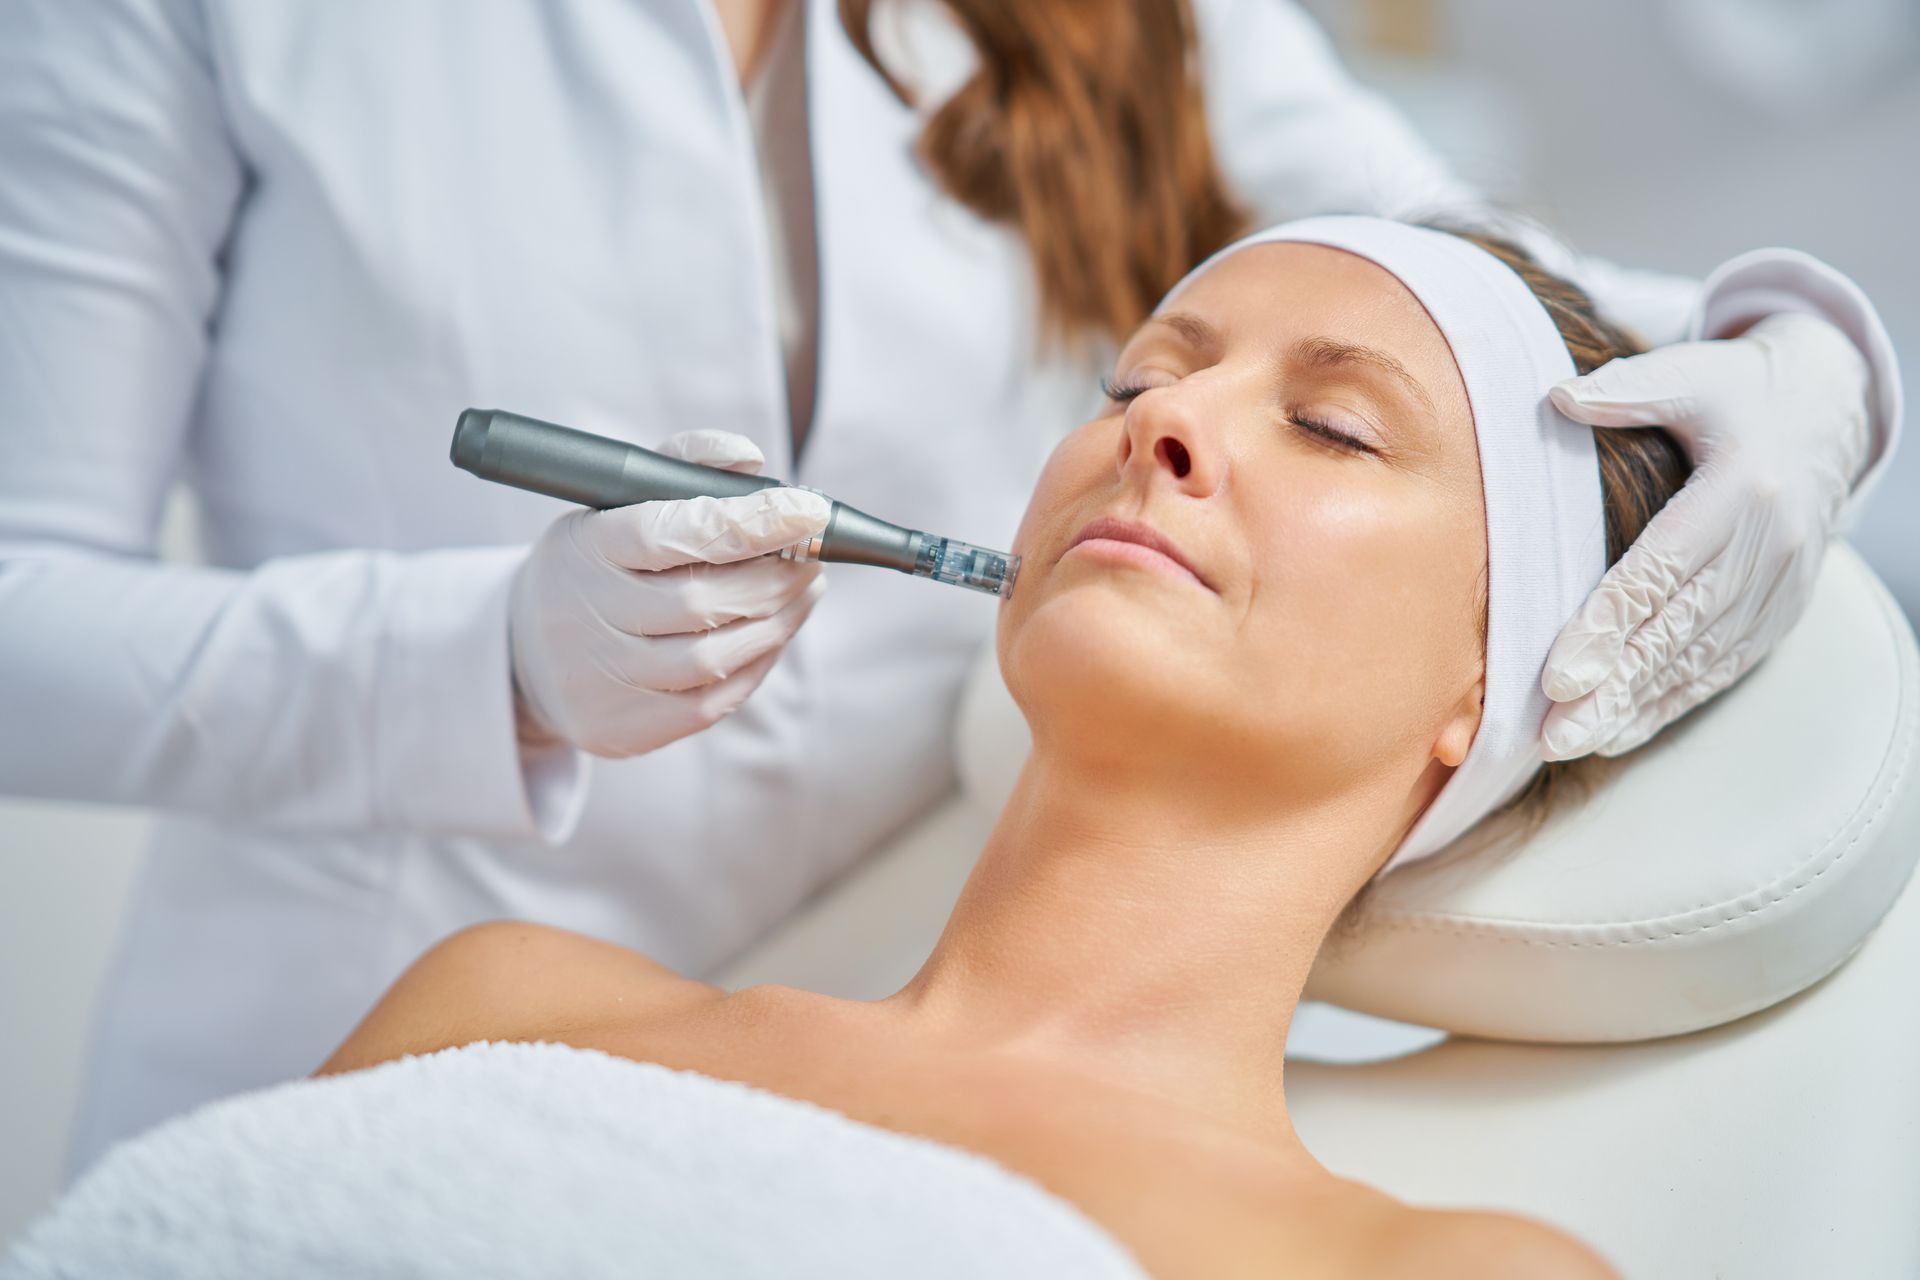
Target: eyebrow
(1192, 328)
(1327, 353)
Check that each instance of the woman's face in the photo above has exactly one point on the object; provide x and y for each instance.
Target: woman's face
(1292, 430)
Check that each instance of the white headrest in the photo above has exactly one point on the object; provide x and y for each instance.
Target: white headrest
(1735, 860)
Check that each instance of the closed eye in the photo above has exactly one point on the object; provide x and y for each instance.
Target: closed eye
(1124, 392)
(1331, 435)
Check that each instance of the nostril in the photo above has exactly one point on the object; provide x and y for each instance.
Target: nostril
(1175, 455)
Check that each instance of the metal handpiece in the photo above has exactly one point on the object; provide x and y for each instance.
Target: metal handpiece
(594, 471)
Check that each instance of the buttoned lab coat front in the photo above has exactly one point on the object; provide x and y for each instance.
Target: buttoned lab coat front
(272, 250)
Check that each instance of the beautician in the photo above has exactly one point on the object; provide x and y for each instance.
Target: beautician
(272, 250)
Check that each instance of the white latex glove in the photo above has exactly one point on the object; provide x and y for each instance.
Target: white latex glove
(1776, 423)
(636, 626)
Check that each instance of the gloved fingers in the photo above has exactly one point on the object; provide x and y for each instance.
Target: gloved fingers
(1648, 666)
(715, 702)
(1651, 651)
(1719, 656)
(1683, 537)
(1573, 727)
(728, 450)
(1676, 701)
(651, 536)
(646, 720)
(1658, 388)
(697, 597)
(1615, 719)
(674, 663)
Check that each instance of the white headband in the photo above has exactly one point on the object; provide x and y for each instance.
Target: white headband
(1539, 472)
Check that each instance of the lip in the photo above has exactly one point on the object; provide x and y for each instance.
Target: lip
(1137, 533)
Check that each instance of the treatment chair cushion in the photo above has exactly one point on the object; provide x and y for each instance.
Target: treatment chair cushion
(1733, 861)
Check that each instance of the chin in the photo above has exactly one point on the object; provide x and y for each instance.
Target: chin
(1108, 653)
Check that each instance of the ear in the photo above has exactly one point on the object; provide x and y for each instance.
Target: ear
(1450, 747)
(1456, 735)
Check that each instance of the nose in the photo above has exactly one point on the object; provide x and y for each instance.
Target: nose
(1164, 439)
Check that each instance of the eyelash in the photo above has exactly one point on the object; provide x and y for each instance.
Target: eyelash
(1122, 392)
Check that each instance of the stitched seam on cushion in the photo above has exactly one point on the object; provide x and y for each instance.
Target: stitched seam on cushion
(1903, 743)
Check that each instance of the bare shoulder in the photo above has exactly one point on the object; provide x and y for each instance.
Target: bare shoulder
(511, 981)
(1438, 1244)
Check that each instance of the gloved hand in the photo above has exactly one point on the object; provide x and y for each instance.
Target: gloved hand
(1776, 423)
(636, 626)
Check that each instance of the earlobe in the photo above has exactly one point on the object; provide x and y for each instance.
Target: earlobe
(1456, 738)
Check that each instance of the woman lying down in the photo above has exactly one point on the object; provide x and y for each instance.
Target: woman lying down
(1280, 625)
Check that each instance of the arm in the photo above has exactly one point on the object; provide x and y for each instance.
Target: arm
(344, 690)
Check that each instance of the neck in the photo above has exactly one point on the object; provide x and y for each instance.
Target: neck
(1153, 931)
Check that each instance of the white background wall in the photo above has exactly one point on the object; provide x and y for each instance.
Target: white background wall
(64, 872)
(1585, 110)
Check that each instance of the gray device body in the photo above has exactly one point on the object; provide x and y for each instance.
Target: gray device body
(578, 466)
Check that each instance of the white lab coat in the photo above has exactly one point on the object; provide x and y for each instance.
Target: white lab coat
(273, 248)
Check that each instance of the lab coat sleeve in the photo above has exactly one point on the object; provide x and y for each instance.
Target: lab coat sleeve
(1296, 136)
(346, 690)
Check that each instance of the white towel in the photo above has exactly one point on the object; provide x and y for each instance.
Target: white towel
(542, 1160)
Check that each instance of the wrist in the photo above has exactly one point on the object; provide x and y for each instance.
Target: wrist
(529, 730)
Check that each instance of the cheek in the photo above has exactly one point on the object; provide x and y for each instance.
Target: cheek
(1365, 609)
(1076, 465)
(1073, 472)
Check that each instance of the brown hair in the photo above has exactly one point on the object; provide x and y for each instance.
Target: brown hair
(1085, 128)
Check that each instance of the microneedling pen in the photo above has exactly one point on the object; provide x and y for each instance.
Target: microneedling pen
(597, 472)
